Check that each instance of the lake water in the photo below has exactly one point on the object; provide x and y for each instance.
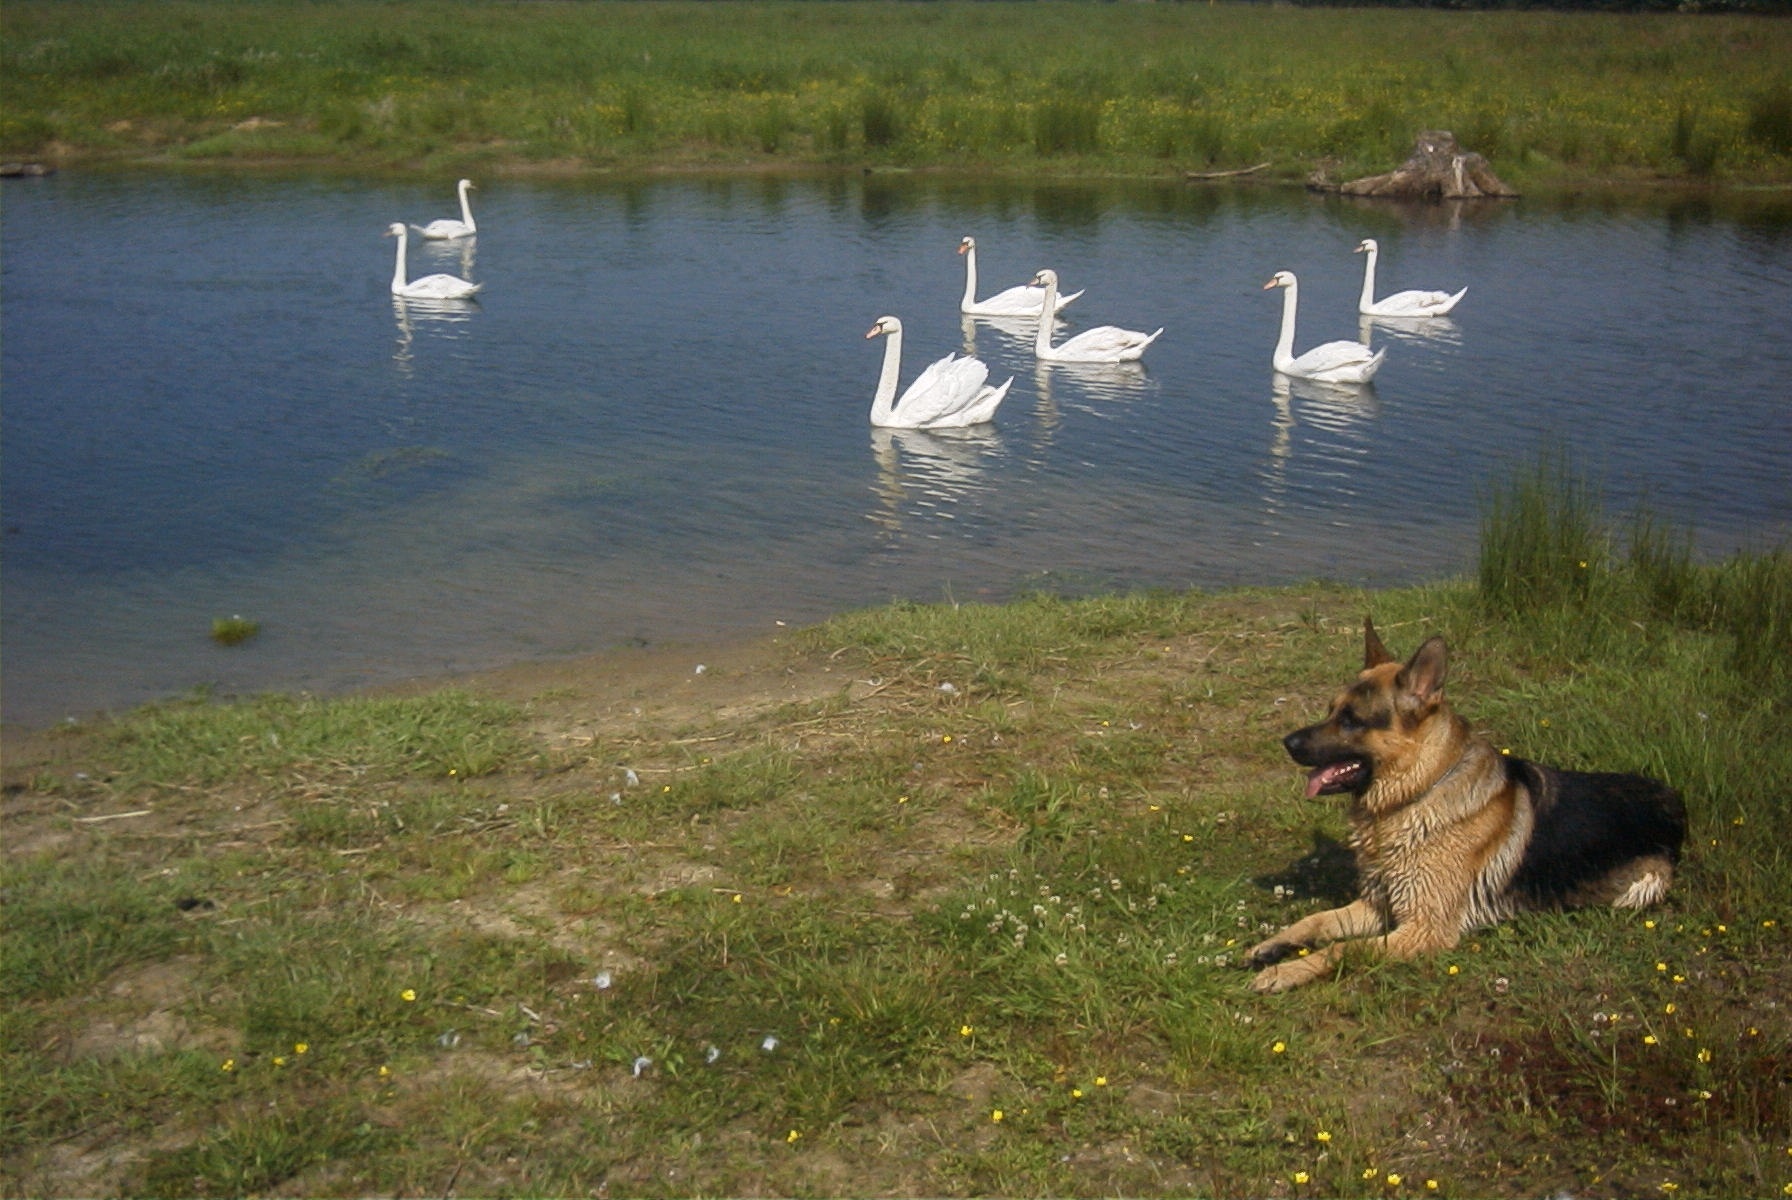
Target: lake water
(652, 425)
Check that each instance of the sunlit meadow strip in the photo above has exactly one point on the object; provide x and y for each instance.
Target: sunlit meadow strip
(1024, 86)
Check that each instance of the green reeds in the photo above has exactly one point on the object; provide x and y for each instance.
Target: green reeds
(1542, 541)
(1546, 552)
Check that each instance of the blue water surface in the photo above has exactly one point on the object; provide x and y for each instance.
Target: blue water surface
(652, 424)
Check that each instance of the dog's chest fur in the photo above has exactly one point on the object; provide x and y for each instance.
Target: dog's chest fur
(1410, 856)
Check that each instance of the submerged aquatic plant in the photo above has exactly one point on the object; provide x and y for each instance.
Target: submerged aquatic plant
(233, 630)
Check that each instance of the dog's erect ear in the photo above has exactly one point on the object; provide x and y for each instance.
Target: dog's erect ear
(1374, 653)
(1423, 674)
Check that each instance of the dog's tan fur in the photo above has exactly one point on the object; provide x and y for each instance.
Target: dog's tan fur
(1444, 823)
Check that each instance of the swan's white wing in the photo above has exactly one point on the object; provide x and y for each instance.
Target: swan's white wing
(1105, 343)
(1344, 361)
(946, 387)
(981, 408)
(1020, 301)
(443, 228)
(1416, 303)
(440, 287)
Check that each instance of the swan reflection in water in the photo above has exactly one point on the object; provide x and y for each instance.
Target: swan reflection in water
(1012, 333)
(1088, 386)
(926, 472)
(1439, 331)
(1329, 405)
(1340, 409)
(444, 318)
(461, 251)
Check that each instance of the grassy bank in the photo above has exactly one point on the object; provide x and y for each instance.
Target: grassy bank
(928, 900)
(1053, 87)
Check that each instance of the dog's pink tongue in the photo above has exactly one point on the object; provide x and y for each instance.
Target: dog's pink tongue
(1323, 777)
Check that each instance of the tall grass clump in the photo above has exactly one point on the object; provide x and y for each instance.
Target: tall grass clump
(1546, 552)
(880, 120)
(1542, 544)
(1753, 603)
(1067, 126)
(1695, 146)
(1770, 120)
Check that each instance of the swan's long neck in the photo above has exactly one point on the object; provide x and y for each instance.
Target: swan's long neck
(466, 210)
(970, 275)
(1285, 343)
(398, 280)
(883, 404)
(1042, 337)
(1368, 296)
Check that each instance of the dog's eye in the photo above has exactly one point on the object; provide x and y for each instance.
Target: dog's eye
(1347, 722)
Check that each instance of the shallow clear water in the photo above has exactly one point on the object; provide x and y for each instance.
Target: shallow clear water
(652, 425)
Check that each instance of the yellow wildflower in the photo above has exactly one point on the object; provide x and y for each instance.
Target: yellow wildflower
(1301, 1177)
(996, 1115)
(407, 995)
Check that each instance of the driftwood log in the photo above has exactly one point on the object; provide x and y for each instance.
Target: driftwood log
(1439, 169)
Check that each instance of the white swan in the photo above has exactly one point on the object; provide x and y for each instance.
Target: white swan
(1332, 362)
(1102, 344)
(427, 287)
(949, 393)
(1400, 304)
(1021, 300)
(447, 227)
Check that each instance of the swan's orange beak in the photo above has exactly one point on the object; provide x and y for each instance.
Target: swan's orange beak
(874, 331)
(1269, 285)
(962, 247)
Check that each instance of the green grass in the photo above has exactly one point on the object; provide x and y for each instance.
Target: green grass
(965, 917)
(1057, 87)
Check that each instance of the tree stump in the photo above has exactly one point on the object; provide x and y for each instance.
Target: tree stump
(1439, 169)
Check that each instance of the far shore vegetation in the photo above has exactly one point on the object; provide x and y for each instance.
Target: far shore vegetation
(927, 900)
(1550, 98)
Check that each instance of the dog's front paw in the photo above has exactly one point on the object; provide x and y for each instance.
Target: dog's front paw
(1278, 978)
(1274, 950)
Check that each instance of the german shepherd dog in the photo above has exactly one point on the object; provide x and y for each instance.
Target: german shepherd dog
(1451, 835)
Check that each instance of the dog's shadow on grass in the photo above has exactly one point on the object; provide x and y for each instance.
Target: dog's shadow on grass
(1326, 872)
